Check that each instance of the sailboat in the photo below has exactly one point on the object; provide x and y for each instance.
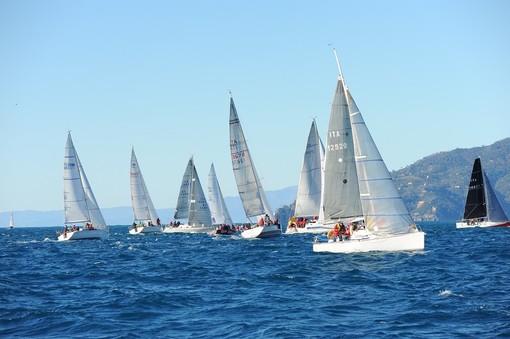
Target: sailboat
(146, 218)
(309, 191)
(250, 189)
(11, 222)
(219, 212)
(191, 205)
(368, 201)
(482, 206)
(80, 205)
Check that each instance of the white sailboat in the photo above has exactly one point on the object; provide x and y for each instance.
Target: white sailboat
(80, 205)
(368, 200)
(309, 191)
(250, 189)
(11, 222)
(482, 207)
(191, 205)
(146, 218)
(219, 212)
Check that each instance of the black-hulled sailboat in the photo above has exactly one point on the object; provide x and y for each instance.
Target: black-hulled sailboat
(482, 206)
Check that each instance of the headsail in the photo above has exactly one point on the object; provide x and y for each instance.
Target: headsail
(143, 208)
(199, 212)
(383, 207)
(309, 190)
(219, 211)
(249, 186)
(494, 211)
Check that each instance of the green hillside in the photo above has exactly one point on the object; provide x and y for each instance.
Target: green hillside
(435, 187)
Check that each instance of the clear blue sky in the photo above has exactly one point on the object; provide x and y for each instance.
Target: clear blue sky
(428, 76)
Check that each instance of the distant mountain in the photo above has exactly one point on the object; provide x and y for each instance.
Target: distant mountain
(124, 215)
(435, 187)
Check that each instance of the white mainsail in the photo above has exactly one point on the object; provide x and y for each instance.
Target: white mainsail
(341, 196)
(482, 208)
(191, 202)
(219, 211)
(80, 205)
(308, 198)
(249, 186)
(11, 221)
(143, 208)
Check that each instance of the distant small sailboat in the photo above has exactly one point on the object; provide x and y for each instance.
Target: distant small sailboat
(309, 191)
(219, 212)
(367, 200)
(482, 207)
(191, 205)
(11, 222)
(146, 218)
(250, 189)
(80, 205)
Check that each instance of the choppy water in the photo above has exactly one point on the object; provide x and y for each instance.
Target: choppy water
(177, 285)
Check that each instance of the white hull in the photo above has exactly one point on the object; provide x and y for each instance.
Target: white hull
(310, 228)
(145, 229)
(188, 229)
(262, 232)
(83, 235)
(486, 223)
(403, 242)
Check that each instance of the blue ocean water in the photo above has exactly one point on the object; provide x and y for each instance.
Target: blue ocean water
(178, 285)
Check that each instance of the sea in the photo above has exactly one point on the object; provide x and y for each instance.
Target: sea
(200, 286)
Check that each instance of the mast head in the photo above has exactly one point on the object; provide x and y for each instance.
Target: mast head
(338, 64)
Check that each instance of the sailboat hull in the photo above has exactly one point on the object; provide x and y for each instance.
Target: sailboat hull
(402, 242)
(262, 232)
(145, 229)
(188, 229)
(310, 228)
(466, 224)
(83, 235)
